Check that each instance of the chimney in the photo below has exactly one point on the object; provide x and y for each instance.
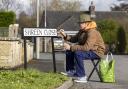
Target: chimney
(92, 10)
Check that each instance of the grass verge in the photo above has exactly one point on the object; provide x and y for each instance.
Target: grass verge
(30, 79)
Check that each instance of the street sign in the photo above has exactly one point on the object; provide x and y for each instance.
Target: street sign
(39, 32)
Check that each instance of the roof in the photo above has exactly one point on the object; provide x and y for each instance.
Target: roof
(117, 15)
(68, 20)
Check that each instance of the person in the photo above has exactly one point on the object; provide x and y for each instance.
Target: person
(89, 45)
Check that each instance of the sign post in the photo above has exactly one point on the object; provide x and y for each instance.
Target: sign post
(39, 32)
(53, 55)
(25, 54)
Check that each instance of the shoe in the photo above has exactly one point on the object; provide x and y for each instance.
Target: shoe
(69, 73)
(72, 76)
(64, 73)
(81, 80)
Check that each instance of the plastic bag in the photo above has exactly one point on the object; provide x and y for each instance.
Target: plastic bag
(107, 69)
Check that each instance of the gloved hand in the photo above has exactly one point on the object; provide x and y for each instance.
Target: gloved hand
(66, 46)
(62, 33)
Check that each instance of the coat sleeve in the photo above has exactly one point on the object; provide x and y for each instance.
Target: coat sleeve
(88, 45)
(72, 39)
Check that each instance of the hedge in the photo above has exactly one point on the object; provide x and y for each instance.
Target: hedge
(121, 46)
(114, 35)
(108, 29)
(7, 18)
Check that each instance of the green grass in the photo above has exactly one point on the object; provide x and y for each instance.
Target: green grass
(30, 79)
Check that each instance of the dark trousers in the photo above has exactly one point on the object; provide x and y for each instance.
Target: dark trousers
(74, 61)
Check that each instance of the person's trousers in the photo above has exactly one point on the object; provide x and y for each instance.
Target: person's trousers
(74, 61)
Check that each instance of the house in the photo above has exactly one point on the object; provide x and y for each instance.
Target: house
(68, 20)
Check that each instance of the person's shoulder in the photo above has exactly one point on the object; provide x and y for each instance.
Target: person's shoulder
(92, 31)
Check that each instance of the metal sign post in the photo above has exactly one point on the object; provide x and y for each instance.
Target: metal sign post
(39, 32)
(53, 55)
(25, 54)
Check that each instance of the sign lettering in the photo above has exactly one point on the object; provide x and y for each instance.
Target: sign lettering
(39, 32)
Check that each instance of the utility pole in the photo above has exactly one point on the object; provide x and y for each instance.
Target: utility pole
(37, 39)
(45, 25)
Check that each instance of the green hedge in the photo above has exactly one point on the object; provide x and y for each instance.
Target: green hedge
(7, 18)
(108, 29)
(126, 51)
(114, 35)
(121, 46)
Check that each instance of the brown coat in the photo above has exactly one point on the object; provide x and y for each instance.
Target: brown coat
(90, 40)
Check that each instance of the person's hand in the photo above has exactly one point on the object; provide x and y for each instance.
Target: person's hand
(66, 46)
(62, 33)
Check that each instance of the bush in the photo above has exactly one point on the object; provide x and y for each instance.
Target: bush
(126, 42)
(7, 18)
(121, 46)
(113, 35)
(108, 29)
(30, 79)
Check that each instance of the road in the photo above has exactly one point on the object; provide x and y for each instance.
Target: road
(121, 71)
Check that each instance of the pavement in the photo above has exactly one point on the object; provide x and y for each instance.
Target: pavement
(121, 71)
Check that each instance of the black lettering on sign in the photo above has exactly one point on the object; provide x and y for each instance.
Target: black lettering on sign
(45, 32)
(26, 32)
(49, 32)
(32, 32)
(40, 32)
(54, 32)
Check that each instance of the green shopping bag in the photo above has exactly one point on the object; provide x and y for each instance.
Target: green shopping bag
(106, 69)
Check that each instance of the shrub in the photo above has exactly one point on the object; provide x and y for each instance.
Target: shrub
(108, 29)
(121, 36)
(113, 34)
(7, 18)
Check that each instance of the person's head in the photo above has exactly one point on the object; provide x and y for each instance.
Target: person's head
(86, 22)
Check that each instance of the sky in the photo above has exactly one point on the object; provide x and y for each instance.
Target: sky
(100, 5)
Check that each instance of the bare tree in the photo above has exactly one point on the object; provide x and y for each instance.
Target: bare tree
(122, 7)
(59, 5)
(32, 10)
(71, 6)
(8, 5)
(32, 7)
(25, 20)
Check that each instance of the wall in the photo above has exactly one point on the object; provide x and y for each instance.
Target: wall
(12, 52)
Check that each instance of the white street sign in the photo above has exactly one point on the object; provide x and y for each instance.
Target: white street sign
(39, 32)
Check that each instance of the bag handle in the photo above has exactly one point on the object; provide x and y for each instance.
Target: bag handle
(109, 53)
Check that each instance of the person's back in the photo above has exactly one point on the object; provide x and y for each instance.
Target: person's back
(99, 46)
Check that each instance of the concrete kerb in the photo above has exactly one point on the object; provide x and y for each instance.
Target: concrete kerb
(66, 85)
